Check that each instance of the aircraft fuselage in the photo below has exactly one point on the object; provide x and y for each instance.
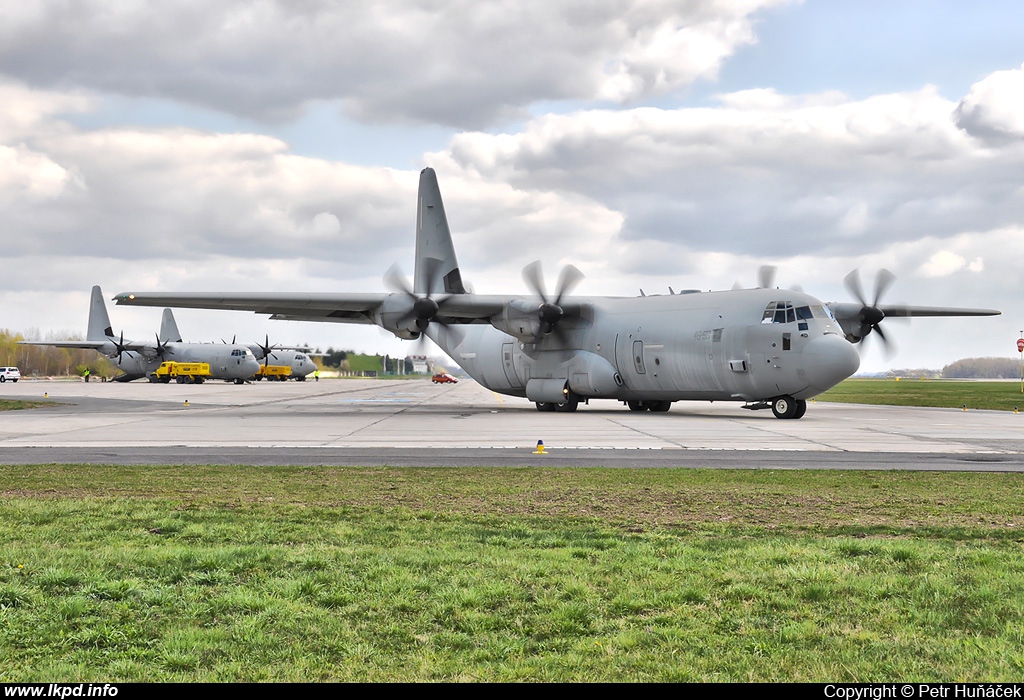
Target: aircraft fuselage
(229, 362)
(741, 345)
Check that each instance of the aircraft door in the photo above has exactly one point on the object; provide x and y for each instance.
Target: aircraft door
(508, 363)
(638, 357)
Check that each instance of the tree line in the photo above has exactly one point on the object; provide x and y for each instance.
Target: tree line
(47, 361)
(983, 368)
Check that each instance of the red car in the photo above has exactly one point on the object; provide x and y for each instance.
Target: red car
(444, 378)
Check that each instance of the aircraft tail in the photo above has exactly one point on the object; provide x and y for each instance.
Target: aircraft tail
(169, 328)
(437, 268)
(99, 322)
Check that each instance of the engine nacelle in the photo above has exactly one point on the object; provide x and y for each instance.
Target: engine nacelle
(520, 319)
(395, 315)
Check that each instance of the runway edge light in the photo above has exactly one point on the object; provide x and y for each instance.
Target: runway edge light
(540, 448)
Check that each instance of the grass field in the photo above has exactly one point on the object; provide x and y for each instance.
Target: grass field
(941, 393)
(552, 575)
(248, 574)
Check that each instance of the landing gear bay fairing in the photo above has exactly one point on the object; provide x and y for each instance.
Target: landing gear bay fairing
(768, 348)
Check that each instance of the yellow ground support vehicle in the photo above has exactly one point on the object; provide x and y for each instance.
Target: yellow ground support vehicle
(181, 372)
(273, 373)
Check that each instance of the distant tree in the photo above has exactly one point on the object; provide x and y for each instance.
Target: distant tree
(983, 368)
(334, 358)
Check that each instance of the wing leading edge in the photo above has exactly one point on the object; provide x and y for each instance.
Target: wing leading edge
(324, 307)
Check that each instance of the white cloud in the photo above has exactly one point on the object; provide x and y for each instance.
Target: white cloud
(458, 63)
(993, 110)
(943, 264)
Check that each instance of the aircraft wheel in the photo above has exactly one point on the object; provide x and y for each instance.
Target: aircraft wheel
(636, 406)
(660, 406)
(301, 379)
(568, 407)
(785, 407)
(801, 408)
(546, 407)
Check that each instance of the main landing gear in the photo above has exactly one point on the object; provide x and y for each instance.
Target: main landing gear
(652, 406)
(567, 407)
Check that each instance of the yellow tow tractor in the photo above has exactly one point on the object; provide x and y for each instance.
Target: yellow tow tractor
(181, 372)
(273, 373)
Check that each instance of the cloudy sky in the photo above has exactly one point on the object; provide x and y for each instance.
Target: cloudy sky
(275, 146)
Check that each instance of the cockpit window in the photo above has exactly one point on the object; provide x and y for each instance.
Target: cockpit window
(785, 312)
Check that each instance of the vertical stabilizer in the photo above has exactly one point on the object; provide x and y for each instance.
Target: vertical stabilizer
(437, 269)
(169, 328)
(99, 322)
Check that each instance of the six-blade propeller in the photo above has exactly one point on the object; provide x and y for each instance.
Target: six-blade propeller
(550, 311)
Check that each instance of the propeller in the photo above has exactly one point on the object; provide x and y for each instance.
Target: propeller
(550, 311)
(425, 308)
(267, 349)
(121, 348)
(766, 279)
(233, 339)
(870, 315)
(161, 346)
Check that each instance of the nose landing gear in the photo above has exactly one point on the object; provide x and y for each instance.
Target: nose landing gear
(788, 407)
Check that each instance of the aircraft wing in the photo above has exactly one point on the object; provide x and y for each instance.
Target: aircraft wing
(324, 306)
(98, 345)
(77, 344)
(910, 311)
(349, 308)
(849, 310)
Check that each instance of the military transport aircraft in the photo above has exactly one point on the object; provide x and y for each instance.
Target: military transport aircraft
(768, 348)
(139, 359)
(297, 359)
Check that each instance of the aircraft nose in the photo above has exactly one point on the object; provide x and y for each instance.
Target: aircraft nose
(828, 360)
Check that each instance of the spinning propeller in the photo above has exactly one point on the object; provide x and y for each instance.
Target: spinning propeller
(425, 308)
(766, 279)
(550, 311)
(869, 317)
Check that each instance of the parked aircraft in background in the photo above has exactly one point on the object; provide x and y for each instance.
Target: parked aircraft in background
(298, 360)
(768, 348)
(139, 359)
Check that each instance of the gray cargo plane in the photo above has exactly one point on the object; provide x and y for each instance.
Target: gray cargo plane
(768, 348)
(297, 359)
(139, 359)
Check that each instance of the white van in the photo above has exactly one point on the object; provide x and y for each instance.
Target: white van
(9, 373)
